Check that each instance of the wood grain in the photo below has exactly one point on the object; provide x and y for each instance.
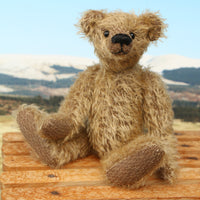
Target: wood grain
(65, 177)
(21, 147)
(25, 177)
(18, 148)
(72, 177)
(13, 137)
(18, 137)
(178, 191)
(29, 163)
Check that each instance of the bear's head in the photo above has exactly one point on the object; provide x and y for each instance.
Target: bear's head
(121, 38)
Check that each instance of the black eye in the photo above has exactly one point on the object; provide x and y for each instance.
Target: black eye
(106, 33)
(132, 35)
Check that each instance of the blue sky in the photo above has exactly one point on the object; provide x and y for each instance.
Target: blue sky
(46, 27)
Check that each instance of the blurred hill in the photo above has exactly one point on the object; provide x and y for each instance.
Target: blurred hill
(52, 75)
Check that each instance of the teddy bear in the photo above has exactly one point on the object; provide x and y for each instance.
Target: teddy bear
(117, 109)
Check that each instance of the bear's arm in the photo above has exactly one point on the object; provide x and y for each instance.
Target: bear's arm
(157, 106)
(77, 103)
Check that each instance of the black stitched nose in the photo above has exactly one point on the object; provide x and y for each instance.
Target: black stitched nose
(122, 39)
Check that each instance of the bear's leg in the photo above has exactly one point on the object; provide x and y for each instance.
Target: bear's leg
(52, 153)
(132, 163)
(169, 167)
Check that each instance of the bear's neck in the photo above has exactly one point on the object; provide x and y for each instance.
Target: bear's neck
(117, 65)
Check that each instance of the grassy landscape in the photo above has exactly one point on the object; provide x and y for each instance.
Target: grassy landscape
(10, 103)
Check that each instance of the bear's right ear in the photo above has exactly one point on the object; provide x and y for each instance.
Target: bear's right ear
(89, 21)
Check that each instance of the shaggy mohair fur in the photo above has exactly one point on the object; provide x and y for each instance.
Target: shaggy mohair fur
(110, 106)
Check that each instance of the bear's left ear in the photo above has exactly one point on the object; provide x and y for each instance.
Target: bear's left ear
(154, 24)
(89, 21)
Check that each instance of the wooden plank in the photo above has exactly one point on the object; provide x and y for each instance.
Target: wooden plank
(13, 137)
(190, 160)
(72, 177)
(22, 163)
(28, 163)
(195, 156)
(25, 177)
(187, 138)
(23, 149)
(185, 144)
(177, 191)
(187, 133)
(191, 146)
(189, 163)
(20, 159)
(18, 137)
(189, 174)
(65, 177)
(20, 148)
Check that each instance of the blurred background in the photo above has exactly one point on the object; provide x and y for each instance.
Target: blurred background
(41, 53)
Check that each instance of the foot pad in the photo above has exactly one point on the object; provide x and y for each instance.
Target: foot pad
(27, 121)
(134, 167)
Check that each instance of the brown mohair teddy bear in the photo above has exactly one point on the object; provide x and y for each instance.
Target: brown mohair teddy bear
(116, 109)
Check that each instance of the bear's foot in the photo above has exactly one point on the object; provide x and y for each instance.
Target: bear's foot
(168, 173)
(132, 169)
(29, 119)
(56, 126)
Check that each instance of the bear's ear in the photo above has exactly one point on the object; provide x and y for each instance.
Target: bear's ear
(154, 24)
(89, 21)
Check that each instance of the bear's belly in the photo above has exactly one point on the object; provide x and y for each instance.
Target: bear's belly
(116, 117)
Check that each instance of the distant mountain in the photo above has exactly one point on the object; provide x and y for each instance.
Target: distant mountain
(170, 82)
(32, 83)
(187, 75)
(168, 62)
(52, 75)
(65, 70)
(45, 67)
(41, 67)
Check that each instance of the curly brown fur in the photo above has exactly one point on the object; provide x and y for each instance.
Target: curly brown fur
(111, 103)
(147, 27)
(28, 118)
(53, 153)
(135, 166)
(49, 128)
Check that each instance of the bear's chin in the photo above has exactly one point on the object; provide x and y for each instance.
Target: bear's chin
(120, 53)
